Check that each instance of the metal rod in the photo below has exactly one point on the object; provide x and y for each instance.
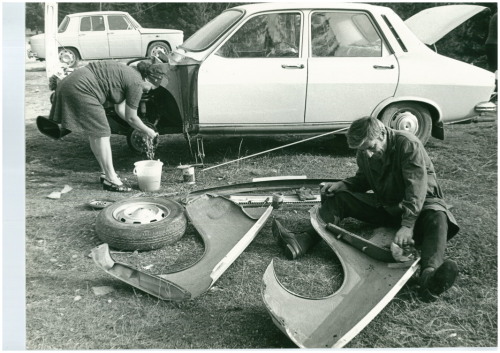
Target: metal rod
(276, 148)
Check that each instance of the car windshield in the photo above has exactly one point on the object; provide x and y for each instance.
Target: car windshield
(207, 34)
(63, 25)
(134, 22)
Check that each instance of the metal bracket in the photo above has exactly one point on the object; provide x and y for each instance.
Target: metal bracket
(200, 150)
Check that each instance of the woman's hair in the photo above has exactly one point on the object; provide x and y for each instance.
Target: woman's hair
(364, 129)
(143, 68)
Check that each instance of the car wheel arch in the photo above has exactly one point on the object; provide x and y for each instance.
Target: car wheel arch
(148, 47)
(436, 128)
(434, 110)
(77, 51)
(436, 113)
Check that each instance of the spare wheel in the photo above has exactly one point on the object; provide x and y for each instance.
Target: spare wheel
(142, 223)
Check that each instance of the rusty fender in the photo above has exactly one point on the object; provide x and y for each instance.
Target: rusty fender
(331, 322)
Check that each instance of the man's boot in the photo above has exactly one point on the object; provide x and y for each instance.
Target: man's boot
(434, 282)
(294, 244)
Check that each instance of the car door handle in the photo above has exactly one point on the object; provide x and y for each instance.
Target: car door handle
(111, 32)
(382, 67)
(301, 66)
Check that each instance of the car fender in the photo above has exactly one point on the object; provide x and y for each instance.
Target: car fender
(212, 216)
(332, 321)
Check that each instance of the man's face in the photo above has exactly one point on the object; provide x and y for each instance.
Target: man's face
(374, 148)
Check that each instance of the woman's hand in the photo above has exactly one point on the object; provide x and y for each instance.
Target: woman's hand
(150, 133)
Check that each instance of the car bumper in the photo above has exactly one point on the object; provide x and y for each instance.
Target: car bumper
(485, 107)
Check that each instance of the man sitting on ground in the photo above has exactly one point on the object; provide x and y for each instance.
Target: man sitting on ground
(395, 166)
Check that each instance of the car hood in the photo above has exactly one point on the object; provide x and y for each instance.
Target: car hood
(158, 30)
(432, 24)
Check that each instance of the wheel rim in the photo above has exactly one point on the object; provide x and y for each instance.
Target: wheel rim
(405, 121)
(157, 49)
(140, 213)
(139, 143)
(67, 57)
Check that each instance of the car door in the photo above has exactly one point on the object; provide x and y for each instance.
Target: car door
(351, 69)
(92, 38)
(257, 76)
(124, 39)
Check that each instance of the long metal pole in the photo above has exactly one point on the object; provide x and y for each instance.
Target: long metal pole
(52, 64)
(276, 148)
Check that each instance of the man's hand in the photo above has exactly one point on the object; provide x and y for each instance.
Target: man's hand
(404, 236)
(329, 189)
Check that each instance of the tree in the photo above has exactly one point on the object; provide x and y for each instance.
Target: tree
(35, 16)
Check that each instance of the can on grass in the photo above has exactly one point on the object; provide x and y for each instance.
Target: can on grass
(187, 174)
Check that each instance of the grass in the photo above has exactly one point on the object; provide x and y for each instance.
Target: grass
(63, 313)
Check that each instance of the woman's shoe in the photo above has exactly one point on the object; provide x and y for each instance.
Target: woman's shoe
(102, 177)
(109, 186)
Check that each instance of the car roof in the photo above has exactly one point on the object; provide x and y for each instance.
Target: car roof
(97, 13)
(253, 8)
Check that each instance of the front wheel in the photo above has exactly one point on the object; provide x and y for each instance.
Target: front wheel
(156, 48)
(410, 117)
(68, 56)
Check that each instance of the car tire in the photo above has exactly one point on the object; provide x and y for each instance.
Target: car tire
(69, 56)
(410, 117)
(155, 47)
(117, 224)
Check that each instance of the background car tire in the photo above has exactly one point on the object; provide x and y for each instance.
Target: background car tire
(69, 56)
(411, 117)
(158, 46)
(150, 236)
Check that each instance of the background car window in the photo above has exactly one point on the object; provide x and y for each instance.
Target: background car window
(118, 23)
(92, 23)
(344, 34)
(265, 36)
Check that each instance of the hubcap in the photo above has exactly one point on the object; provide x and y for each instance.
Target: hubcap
(66, 57)
(405, 121)
(140, 213)
(158, 49)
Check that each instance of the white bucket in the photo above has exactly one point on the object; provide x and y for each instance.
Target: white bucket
(148, 174)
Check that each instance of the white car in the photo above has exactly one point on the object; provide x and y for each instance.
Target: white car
(271, 68)
(106, 35)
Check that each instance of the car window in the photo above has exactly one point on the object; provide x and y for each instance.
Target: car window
(210, 32)
(64, 24)
(92, 23)
(274, 35)
(118, 23)
(344, 34)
